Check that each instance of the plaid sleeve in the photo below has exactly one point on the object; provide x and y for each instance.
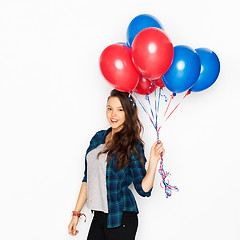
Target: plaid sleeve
(138, 171)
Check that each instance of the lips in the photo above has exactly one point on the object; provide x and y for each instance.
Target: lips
(114, 120)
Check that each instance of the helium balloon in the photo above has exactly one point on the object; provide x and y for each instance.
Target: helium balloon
(145, 86)
(159, 82)
(139, 23)
(210, 68)
(117, 67)
(184, 71)
(152, 53)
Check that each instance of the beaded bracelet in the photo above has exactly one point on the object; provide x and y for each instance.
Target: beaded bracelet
(78, 214)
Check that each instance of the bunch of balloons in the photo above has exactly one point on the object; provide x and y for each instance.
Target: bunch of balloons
(148, 62)
(149, 55)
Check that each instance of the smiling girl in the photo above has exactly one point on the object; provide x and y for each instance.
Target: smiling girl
(114, 159)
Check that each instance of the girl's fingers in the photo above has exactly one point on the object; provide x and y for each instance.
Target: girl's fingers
(161, 150)
(159, 147)
(70, 229)
(74, 230)
(154, 145)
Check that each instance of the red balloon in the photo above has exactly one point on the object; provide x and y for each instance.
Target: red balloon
(144, 86)
(117, 67)
(158, 82)
(152, 52)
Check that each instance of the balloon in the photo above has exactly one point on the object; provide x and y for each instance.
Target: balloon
(139, 23)
(117, 67)
(159, 82)
(144, 86)
(184, 71)
(210, 68)
(152, 52)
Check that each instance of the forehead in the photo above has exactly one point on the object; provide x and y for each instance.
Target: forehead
(114, 101)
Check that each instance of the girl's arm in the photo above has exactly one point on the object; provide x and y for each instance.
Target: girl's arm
(156, 149)
(82, 197)
(80, 203)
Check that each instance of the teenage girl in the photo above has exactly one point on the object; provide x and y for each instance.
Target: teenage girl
(114, 159)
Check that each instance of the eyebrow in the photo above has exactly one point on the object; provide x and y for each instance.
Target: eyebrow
(111, 106)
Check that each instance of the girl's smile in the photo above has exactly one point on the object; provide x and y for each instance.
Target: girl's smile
(115, 113)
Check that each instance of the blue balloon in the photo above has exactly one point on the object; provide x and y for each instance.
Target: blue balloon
(210, 68)
(139, 23)
(184, 70)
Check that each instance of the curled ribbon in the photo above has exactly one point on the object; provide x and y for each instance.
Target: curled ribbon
(129, 97)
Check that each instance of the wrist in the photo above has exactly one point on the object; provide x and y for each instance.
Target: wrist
(152, 166)
(78, 214)
(153, 161)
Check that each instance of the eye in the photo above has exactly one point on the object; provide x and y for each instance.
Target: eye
(120, 109)
(109, 109)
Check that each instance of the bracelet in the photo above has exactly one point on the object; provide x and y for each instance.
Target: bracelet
(78, 214)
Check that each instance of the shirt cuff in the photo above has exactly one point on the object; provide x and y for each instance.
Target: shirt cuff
(142, 192)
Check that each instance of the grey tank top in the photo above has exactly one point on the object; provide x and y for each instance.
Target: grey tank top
(96, 180)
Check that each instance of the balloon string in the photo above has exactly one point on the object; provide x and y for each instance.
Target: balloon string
(167, 186)
(155, 93)
(159, 95)
(158, 104)
(166, 99)
(144, 108)
(130, 93)
(164, 175)
(157, 110)
(187, 93)
(172, 96)
(148, 99)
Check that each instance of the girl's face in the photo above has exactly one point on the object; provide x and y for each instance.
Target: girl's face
(115, 114)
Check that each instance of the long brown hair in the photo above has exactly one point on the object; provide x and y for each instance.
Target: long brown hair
(124, 141)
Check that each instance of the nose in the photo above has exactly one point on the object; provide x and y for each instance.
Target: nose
(113, 113)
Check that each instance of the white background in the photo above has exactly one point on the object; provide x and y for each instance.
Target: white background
(52, 101)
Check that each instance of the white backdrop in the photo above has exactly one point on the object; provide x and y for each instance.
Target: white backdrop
(52, 101)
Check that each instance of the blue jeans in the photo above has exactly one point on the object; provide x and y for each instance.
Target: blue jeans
(126, 231)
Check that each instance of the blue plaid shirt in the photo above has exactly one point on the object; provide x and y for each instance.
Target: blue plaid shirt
(119, 196)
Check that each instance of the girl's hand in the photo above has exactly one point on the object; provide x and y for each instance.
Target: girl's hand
(72, 226)
(156, 149)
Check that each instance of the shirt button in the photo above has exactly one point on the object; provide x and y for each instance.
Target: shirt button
(124, 225)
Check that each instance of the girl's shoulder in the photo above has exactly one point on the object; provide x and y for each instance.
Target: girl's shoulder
(99, 135)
